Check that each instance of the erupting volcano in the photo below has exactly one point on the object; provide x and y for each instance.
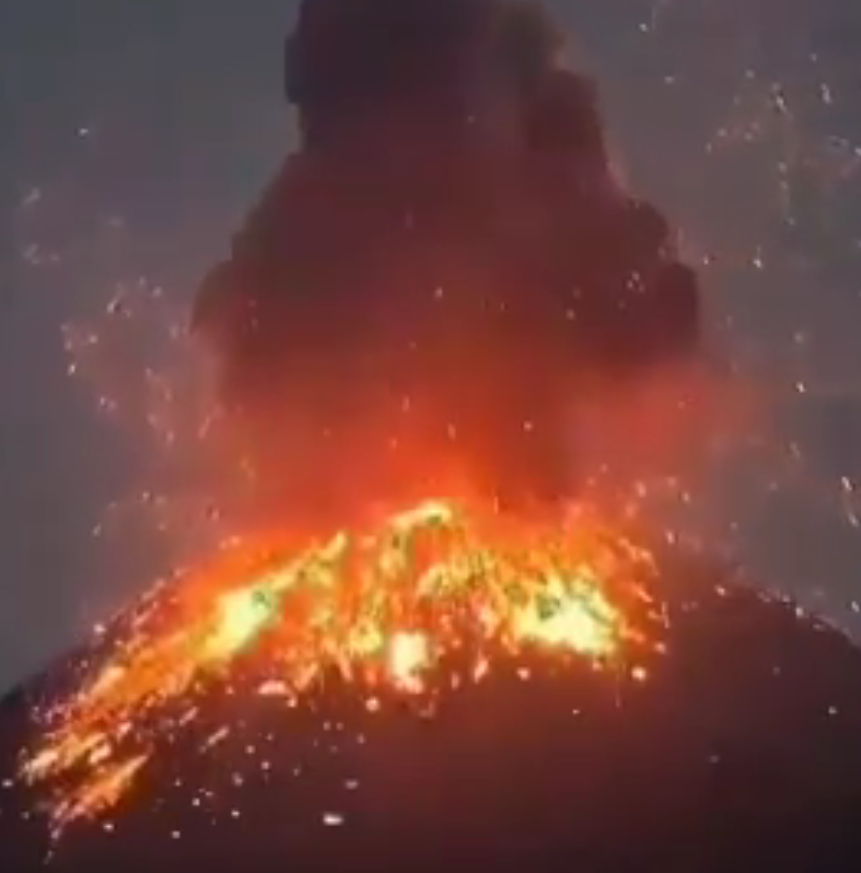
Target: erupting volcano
(416, 608)
(446, 303)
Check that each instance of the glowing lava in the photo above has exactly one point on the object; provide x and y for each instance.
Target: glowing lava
(415, 606)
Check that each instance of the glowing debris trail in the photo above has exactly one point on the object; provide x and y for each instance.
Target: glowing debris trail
(389, 609)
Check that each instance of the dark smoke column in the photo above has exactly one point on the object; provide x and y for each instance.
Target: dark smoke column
(445, 264)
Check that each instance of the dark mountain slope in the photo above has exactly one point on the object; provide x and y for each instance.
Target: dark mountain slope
(739, 752)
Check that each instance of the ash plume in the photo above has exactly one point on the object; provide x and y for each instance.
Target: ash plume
(446, 262)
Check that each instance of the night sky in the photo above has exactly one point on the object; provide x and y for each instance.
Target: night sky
(134, 135)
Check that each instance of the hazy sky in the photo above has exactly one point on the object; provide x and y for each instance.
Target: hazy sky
(133, 135)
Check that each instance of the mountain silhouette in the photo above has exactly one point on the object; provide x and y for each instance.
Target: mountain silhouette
(739, 752)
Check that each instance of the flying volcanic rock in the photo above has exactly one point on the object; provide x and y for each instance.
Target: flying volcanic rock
(738, 752)
(446, 264)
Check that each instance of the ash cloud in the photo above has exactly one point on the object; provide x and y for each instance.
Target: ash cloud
(447, 260)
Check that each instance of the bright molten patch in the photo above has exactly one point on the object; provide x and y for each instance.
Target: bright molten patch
(394, 608)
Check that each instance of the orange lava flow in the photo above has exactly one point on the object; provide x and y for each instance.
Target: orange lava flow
(388, 609)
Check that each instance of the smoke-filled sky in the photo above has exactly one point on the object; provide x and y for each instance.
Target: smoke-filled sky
(134, 136)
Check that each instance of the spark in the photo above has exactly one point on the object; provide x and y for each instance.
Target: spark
(100, 792)
(408, 656)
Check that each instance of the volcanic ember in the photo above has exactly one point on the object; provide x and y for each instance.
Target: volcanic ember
(411, 607)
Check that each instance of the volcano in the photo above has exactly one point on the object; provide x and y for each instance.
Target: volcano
(736, 750)
(446, 265)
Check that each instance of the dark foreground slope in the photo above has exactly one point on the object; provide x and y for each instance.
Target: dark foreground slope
(742, 752)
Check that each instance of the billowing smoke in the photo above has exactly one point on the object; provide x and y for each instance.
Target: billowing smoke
(445, 265)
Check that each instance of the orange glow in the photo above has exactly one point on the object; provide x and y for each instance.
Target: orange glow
(381, 607)
(100, 791)
(408, 657)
